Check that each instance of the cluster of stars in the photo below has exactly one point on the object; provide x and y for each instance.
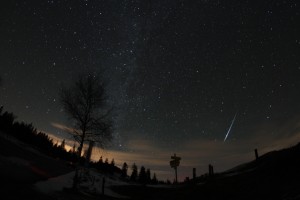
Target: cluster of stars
(173, 68)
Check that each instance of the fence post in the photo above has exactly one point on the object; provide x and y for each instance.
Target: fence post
(256, 154)
(194, 173)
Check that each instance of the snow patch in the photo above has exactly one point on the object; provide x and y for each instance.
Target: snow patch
(92, 181)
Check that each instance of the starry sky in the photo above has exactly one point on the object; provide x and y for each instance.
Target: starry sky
(177, 72)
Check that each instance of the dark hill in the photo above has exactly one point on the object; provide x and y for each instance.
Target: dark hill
(21, 165)
(274, 175)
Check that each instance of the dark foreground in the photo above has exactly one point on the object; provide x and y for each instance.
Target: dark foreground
(275, 175)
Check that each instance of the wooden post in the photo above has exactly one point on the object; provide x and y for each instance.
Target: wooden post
(75, 179)
(103, 184)
(176, 174)
(256, 154)
(174, 163)
(210, 170)
(194, 173)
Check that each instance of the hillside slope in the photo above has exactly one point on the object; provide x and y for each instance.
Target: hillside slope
(275, 175)
(21, 165)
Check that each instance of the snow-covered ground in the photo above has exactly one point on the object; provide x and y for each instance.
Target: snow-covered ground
(19, 162)
(92, 182)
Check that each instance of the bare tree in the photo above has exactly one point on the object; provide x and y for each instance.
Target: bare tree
(84, 103)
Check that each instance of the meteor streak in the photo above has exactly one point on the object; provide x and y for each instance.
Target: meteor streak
(230, 127)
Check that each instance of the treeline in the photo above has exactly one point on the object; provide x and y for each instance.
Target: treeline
(143, 176)
(27, 133)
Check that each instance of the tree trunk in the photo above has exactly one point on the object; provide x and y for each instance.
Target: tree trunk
(76, 177)
(81, 144)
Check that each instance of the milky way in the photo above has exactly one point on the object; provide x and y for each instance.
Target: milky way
(177, 71)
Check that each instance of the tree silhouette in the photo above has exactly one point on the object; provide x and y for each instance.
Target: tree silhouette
(28, 134)
(74, 148)
(124, 170)
(143, 175)
(6, 120)
(112, 163)
(62, 145)
(99, 164)
(100, 160)
(148, 176)
(84, 103)
(154, 179)
(134, 172)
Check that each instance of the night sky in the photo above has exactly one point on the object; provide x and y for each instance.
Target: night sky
(177, 72)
